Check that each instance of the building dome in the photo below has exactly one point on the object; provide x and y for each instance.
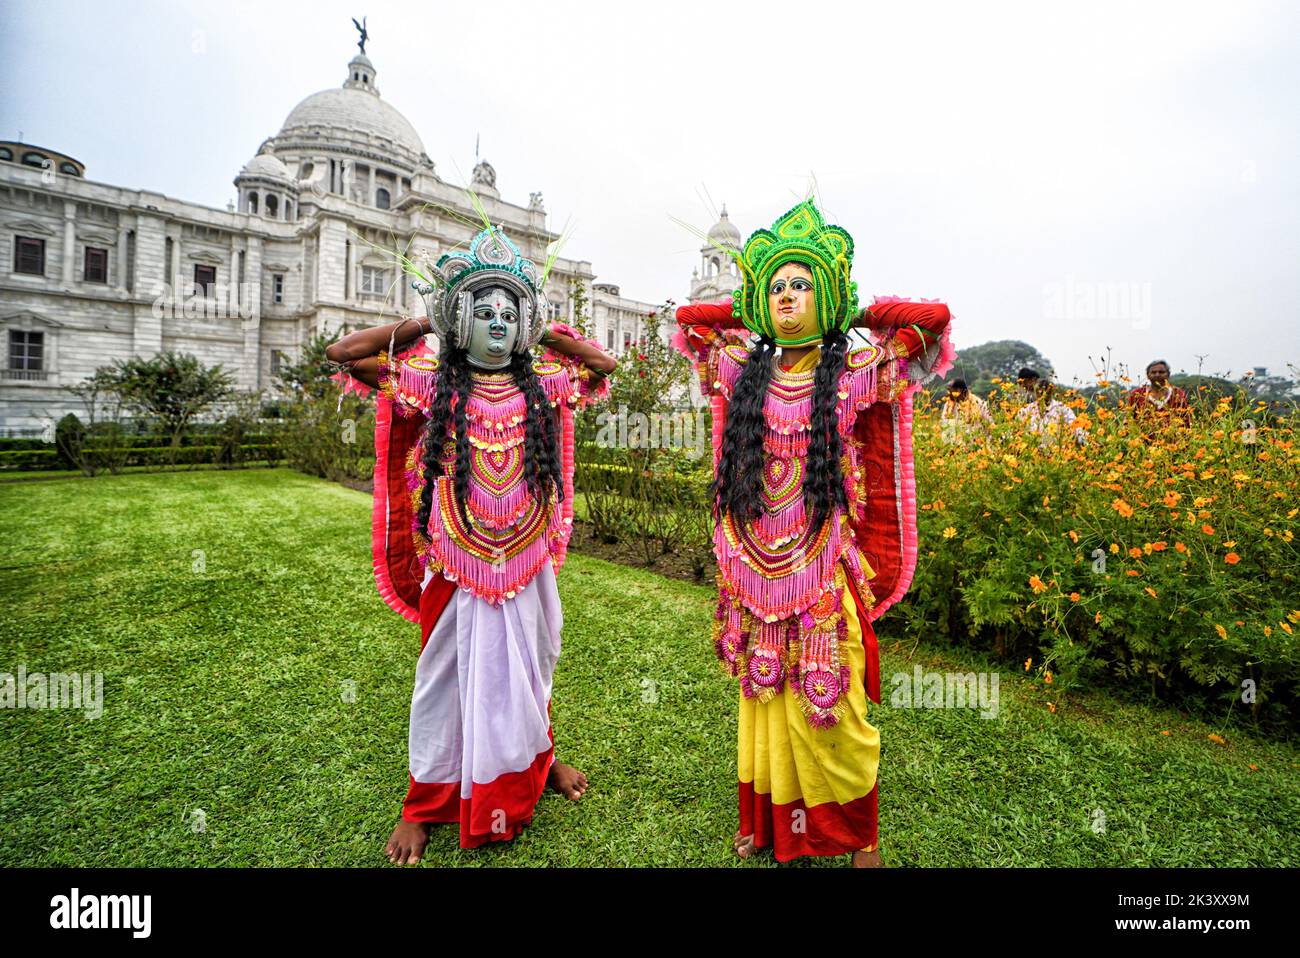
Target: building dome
(352, 114)
(354, 110)
(724, 232)
(267, 165)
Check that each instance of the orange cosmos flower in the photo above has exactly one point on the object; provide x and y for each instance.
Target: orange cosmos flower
(1133, 572)
(1135, 553)
(1123, 508)
(1216, 739)
(1074, 597)
(1037, 584)
(1179, 547)
(1208, 529)
(1151, 592)
(1232, 558)
(1028, 662)
(1097, 618)
(1160, 546)
(1047, 677)
(1223, 633)
(1171, 498)
(1051, 708)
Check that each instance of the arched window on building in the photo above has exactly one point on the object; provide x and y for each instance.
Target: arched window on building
(69, 169)
(6, 153)
(252, 202)
(272, 205)
(35, 159)
(382, 198)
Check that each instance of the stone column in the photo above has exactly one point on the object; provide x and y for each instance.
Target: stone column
(69, 240)
(232, 296)
(178, 278)
(153, 282)
(370, 200)
(350, 281)
(250, 317)
(331, 262)
(121, 283)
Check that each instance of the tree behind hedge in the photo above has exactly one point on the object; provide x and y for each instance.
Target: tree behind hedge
(172, 389)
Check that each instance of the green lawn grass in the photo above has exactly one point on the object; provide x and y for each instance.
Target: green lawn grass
(224, 695)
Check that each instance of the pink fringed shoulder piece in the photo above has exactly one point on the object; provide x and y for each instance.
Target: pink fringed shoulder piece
(703, 330)
(409, 381)
(858, 384)
(590, 387)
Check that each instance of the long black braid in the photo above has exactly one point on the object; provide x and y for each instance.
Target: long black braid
(738, 483)
(737, 487)
(541, 441)
(823, 481)
(453, 383)
(541, 436)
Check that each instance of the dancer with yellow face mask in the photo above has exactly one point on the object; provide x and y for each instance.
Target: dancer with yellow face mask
(815, 510)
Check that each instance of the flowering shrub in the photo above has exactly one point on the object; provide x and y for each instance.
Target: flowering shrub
(642, 486)
(1151, 547)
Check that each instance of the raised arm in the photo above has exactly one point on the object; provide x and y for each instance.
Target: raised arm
(595, 359)
(912, 328)
(703, 329)
(910, 334)
(359, 351)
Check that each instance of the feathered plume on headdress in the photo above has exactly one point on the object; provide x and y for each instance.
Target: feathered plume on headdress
(490, 259)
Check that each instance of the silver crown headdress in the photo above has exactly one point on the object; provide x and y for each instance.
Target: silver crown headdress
(491, 260)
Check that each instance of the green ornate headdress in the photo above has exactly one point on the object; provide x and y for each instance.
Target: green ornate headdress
(803, 236)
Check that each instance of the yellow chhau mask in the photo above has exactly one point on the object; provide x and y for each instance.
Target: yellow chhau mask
(796, 279)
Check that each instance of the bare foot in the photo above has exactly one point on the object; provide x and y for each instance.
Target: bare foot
(744, 845)
(863, 859)
(567, 780)
(406, 844)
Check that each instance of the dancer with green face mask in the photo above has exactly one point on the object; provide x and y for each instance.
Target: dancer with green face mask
(815, 510)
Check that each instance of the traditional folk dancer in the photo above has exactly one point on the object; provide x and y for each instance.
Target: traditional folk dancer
(815, 522)
(473, 511)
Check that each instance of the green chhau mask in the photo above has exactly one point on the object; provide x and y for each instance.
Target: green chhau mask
(801, 236)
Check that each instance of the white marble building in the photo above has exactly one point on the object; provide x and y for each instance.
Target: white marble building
(91, 272)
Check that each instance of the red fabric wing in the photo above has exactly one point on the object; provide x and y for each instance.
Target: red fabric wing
(886, 532)
(397, 568)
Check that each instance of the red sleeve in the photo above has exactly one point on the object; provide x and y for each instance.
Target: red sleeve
(918, 325)
(709, 315)
(704, 329)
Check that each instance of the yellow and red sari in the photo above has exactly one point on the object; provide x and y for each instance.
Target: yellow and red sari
(796, 603)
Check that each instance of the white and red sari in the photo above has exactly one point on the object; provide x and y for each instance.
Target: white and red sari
(480, 581)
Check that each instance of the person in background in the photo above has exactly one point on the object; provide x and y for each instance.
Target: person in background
(962, 411)
(1159, 402)
(1043, 414)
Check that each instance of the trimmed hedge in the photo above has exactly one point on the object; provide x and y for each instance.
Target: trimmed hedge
(25, 460)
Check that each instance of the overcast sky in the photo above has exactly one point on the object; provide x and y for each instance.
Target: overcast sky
(1080, 176)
